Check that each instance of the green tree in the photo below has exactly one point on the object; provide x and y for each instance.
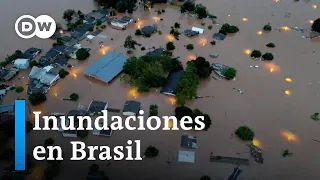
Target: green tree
(129, 43)
(205, 178)
(315, 116)
(182, 111)
(267, 57)
(206, 118)
(245, 133)
(256, 54)
(271, 45)
(209, 27)
(63, 73)
(230, 73)
(49, 142)
(82, 54)
(189, 46)
(153, 110)
(267, 27)
(176, 25)
(286, 153)
(99, 22)
(37, 98)
(34, 63)
(187, 6)
(19, 89)
(138, 32)
(226, 28)
(68, 15)
(201, 11)
(203, 67)
(74, 96)
(170, 46)
(91, 28)
(316, 25)
(151, 151)
(213, 42)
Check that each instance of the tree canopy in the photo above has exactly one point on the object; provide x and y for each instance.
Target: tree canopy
(170, 46)
(245, 133)
(228, 28)
(230, 73)
(203, 67)
(63, 73)
(74, 96)
(201, 11)
(124, 5)
(19, 89)
(256, 54)
(316, 25)
(151, 151)
(37, 98)
(188, 6)
(129, 43)
(267, 56)
(153, 110)
(68, 15)
(267, 27)
(270, 45)
(82, 54)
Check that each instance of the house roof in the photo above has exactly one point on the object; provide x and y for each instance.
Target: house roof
(189, 141)
(107, 67)
(56, 34)
(52, 54)
(132, 106)
(36, 72)
(3, 73)
(186, 156)
(156, 52)
(172, 82)
(31, 53)
(6, 108)
(48, 78)
(36, 86)
(189, 32)
(60, 48)
(21, 61)
(219, 36)
(148, 30)
(61, 60)
(102, 132)
(11, 73)
(97, 106)
(3, 92)
(197, 29)
(55, 70)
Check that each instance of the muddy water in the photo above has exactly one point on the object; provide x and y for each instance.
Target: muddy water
(264, 106)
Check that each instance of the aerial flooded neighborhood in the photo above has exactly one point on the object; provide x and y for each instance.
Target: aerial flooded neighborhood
(248, 68)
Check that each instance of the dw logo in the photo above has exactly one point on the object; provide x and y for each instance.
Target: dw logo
(27, 26)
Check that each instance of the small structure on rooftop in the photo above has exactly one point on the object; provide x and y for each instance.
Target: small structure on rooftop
(131, 108)
(219, 36)
(148, 30)
(107, 67)
(96, 107)
(21, 63)
(172, 82)
(186, 156)
(189, 142)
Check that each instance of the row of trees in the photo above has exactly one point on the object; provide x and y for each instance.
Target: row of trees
(182, 111)
(187, 86)
(150, 71)
(121, 5)
(258, 54)
(199, 9)
(9, 59)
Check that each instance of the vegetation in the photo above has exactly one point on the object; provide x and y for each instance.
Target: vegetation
(245, 133)
(187, 6)
(267, 57)
(9, 59)
(124, 5)
(170, 46)
(159, 32)
(286, 153)
(182, 111)
(175, 33)
(19, 89)
(267, 27)
(103, 26)
(271, 45)
(91, 28)
(230, 73)
(151, 151)
(150, 71)
(256, 54)
(143, 48)
(316, 25)
(205, 178)
(74, 97)
(138, 32)
(201, 11)
(37, 98)
(83, 133)
(129, 43)
(228, 29)
(68, 15)
(176, 25)
(49, 142)
(58, 41)
(189, 46)
(82, 54)
(209, 27)
(213, 42)
(99, 22)
(203, 68)
(153, 110)
(34, 63)
(63, 73)
(315, 116)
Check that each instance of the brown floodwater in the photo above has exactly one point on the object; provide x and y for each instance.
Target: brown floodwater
(275, 108)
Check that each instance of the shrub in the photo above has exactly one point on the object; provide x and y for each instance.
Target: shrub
(19, 89)
(267, 57)
(63, 73)
(203, 23)
(213, 42)
(271, 45)
(176, 35)
(286, 153)
(91, 28)
(153, 110)
(230, 73)
(82, 54)
(49, 142)
(163, 10)
(212, 16)
(161, 19)
(37, 98)
(99, 22)
(210, 27)
(256, 54)
(176, 25)
(315, 116)
(74, 97)
(229, 28)
(143, 48)
(138, 32)
(83, 133)
(245, 133)
(190, 46)
(267, 27)
(222, 31)
(170, 46)
(151, 151)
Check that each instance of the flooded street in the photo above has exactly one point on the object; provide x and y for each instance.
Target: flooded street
(266, 106)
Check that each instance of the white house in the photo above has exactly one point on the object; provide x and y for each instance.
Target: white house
(43, 76)
(198, 30)
(21, 63)
(119, 24)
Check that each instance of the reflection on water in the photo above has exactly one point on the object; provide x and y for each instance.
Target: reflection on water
(290, 136)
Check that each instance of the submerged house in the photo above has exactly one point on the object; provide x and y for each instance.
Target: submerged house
(80, 32)
(219, 36)
(43, 75)
(98, 15)
(107, 67)
(21, 63)
(96, 107)
(131, 108)
(190, 33)
(189, 142)
(31, 53)
(35, 86)
(7, 74)
(119, 24)
(172, 82)
(156, 52)
(106, 133)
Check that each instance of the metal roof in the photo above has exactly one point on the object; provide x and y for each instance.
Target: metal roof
(132, 106)
(107, 67)
(172, 82)
(6, 108)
